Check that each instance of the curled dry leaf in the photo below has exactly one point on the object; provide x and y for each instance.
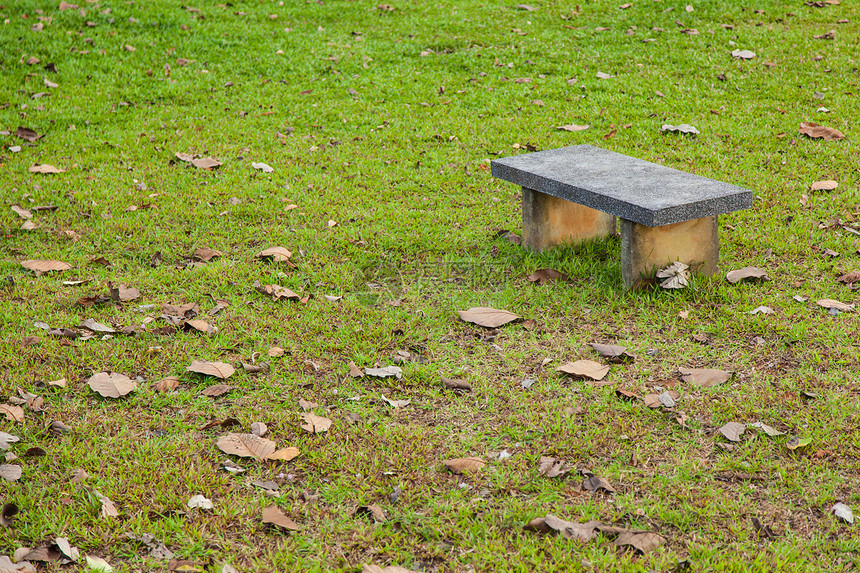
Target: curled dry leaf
(6, 440)
(259, 429)
(843, 513)
(732, 431)
(850, 277)
(573, 127)
(816, 131)
(40, 266)
(206, 254)
(460, 465)
(675, 276)
(274, 516)
(123, 293)
(262, 167)
(256, 368)
(585, 369)
(372, 512)
(306, 405)
(91, 324)
(828, 185)
(111, 384)
(704, 377)
(594, 483)
(552, 467)
(168, 384)
(796, 443)
(746, 273)
(680, 128)
(743, 54)
(12, 413)
(456, 384)
(220, 370)
(666, 400)
(385, 372)
(277, 254)
(395, 403)
(354, 370)
(277, 292)
(613, 352)
(21, 211)
(829, 303)
(568, 529)
(315, 424)
(200, 502)
(487, 317)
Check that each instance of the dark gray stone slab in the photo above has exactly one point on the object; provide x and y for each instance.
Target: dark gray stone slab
(630, 188)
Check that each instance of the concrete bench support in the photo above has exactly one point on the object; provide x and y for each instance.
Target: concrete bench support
(644, 250)
(549, 221)
(575, 193)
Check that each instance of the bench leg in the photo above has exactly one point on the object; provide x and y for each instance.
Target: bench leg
(550, 221)
(645, 250)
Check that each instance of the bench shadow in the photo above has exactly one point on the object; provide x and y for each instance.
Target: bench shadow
(595, 260)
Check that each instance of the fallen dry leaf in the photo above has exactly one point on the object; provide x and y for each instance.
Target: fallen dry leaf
(543, 276)
(216, 390)
(594, 483)
(21, 211)
(704, 377)
(199, 502)
(456, 384)
(829, 303)
(552, 467)
(275, 352)
(206, 163)
(123, 293)
(12, 413)
(27, 134)
(279, 254)
(643, 541)
(246, 446)
(733, 431)
(743, 54)
(200, 326)
(220, 370)
(680, 128)
(828, 185)
(816, 131)
(262, 167)
(259, 429)
(675, 276)
(843, 513)
(746, 273)
(315, 424)
(568, 529)
(584, 369)
(460, 465)
(40, 266)
(111, 384)
(666, 400)
(395, 403)
(45, 168)
(573, 127)
(168, 384)
(354, 370)
(374, 512)
(10, 472)
(850, 277)
(613, 352)
(277, 292)
(272, 515)
(206, 254)
(487, 317)
(385, 372)
(284, 454)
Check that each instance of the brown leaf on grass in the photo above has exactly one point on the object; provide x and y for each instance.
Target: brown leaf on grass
(850, 277)
(272, 515)
(568, 529)
(284, 454)
(185, 311)
(111, 384)
(460, 465)
(816, 131)
(27, 134)
(168, 384)
(705, 377)
(7, 515)
(643, 541)
(246, 446)
(487, 317)
(91, 324)
(46, 169)
(200, 326)
(666, 399)
(259, 429)
(573, 127)
(122, 293)
(552, 467)
(6, 440)
(12, 413)
(828, 185)
(220, 370)
(372, 512)
(108, 509)
(613, 352)
(315, 424)
(354, 370)
(456, 384)
(21, 211)
(7, 566)
(276, 254)
(743, 54)
(829, 303)
(206, 254)
(385, 372)
(40, 266)
(746, 273)
(10, 472)
(216, 390)
(275, 352)
(732, 431)
(277, 292)
(205, 163)
(543, 276)
(584, 369)
(594, 483)
(256, 368)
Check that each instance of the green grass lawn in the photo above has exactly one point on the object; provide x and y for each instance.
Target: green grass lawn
(379, 122)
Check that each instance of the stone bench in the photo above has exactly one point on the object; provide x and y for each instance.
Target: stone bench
(574, 193)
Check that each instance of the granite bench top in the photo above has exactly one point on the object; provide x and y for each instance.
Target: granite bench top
(630, 188)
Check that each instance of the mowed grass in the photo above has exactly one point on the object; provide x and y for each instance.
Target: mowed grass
(388, 119)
